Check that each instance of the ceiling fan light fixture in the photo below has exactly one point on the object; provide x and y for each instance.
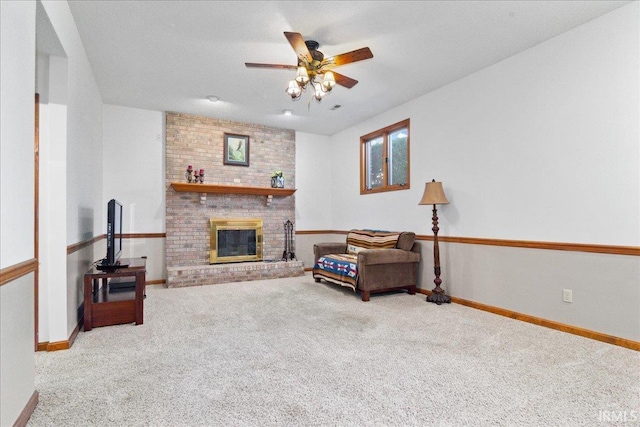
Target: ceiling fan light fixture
(302, 76)
(311, 64)
(293, 90)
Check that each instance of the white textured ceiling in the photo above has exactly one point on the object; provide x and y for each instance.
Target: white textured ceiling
(170, 55)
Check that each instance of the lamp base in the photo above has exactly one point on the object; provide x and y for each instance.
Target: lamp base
(439, 298)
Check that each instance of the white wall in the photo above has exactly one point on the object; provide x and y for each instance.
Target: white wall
(52, 88)
(541, 146)
(314, 182)
(83, 162)
(606, 295)
(17, 131)
(17, 376)
(84, 130)
(133, 165)
(134, 171)
(17, 88)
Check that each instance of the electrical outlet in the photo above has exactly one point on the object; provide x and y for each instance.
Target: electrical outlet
(236, 180)
(567, 295)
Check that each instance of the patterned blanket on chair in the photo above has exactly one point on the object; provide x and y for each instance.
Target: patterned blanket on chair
(341, 269)
(358, 240)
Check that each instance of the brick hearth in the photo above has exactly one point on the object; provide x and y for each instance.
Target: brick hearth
(226, 273)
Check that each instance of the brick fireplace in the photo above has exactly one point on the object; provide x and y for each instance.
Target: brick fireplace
(198, 141)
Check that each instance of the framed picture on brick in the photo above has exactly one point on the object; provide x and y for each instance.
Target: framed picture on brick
(236, 150)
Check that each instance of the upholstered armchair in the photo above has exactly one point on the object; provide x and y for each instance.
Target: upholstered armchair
(370, 261)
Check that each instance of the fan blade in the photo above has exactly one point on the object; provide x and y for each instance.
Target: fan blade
(347, 58)
(299, 46)
(279, 66)
(343, 80)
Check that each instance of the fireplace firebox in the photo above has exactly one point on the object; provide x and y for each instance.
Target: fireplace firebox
(235, 240)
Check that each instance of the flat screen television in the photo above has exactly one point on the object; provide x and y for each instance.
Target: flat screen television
(114, 236)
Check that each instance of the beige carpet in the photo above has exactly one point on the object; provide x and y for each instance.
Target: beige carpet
(292, 352)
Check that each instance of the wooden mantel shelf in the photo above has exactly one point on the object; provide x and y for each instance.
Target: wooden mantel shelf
(231, 189)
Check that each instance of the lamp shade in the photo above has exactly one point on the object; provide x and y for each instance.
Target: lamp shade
(293, 89)
(329, 81)
(302, 77)
(433, 194)
(318, 93)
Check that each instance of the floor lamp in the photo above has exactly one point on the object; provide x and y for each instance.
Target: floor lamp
(434, 195)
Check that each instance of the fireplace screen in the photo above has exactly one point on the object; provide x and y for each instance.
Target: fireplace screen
(235, 240)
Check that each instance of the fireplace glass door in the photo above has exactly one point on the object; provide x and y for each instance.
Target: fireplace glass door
(235, 240)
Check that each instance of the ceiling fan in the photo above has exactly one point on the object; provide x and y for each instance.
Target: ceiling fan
(312, 63)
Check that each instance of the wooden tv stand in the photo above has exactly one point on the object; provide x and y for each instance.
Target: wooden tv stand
(104, 308)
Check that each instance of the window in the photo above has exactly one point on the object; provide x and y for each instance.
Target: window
(384, 159)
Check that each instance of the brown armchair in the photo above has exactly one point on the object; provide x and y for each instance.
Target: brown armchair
(370, 262)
